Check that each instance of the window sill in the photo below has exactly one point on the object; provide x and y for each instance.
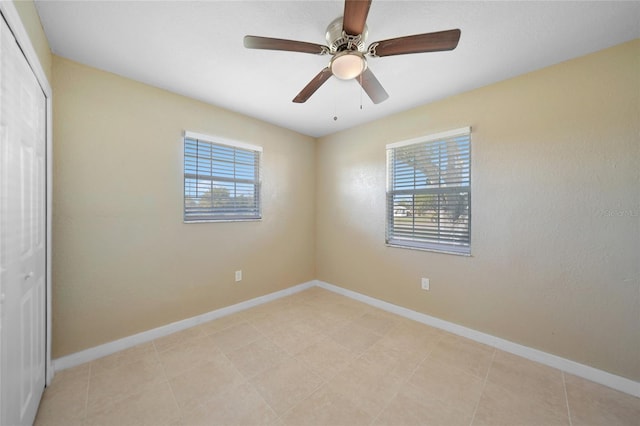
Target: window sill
(221, 220)
(442, 250)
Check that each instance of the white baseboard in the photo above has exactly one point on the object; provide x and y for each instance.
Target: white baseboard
(149, 335)
(599, 376)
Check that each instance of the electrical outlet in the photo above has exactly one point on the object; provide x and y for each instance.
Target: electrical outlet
(238, 276)
(425, 283)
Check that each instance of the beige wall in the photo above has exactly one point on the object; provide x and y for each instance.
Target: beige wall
(123, 260)
(31, 21)
(555, 212)
(555, 226)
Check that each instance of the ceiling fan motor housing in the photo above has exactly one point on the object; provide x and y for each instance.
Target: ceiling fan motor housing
(340, 41)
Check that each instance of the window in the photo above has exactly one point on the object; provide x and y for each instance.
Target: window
(429, 192)
(221, 179)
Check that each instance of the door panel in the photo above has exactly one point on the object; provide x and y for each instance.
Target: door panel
(22, 235)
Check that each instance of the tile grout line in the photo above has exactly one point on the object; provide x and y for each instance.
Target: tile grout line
(566, 398)
(267, 337)
(245, 379)
(427, 355)
(248, 380)
(164, 372)
(264, 335)
(325, 382)
(404, 384)
(484, 385)
(86, 397)
(290, 409)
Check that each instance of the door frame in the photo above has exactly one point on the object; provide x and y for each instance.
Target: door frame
(10, 14)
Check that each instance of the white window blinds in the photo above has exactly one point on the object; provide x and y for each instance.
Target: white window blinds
(429, 192)
(221, 179)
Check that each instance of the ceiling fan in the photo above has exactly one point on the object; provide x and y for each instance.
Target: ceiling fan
(346, 37)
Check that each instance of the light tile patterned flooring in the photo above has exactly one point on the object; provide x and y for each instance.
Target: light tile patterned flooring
(318, 358)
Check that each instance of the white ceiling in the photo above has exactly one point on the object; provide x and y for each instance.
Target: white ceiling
(195, 49)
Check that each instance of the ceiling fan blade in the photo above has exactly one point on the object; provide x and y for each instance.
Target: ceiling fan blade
(372, 86)
(256, 42)
(313, 85)
(419, 43)
(355, 16)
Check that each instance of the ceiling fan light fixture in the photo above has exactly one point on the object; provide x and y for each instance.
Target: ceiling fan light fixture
(348, 65)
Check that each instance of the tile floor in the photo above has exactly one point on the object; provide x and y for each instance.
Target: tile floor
(318, 358)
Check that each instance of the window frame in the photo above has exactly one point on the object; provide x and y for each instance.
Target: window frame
(415, 243)
(225, 143)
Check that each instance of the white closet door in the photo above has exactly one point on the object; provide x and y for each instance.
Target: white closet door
(22, 235)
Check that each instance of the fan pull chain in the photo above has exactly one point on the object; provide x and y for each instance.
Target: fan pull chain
(335, 105)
